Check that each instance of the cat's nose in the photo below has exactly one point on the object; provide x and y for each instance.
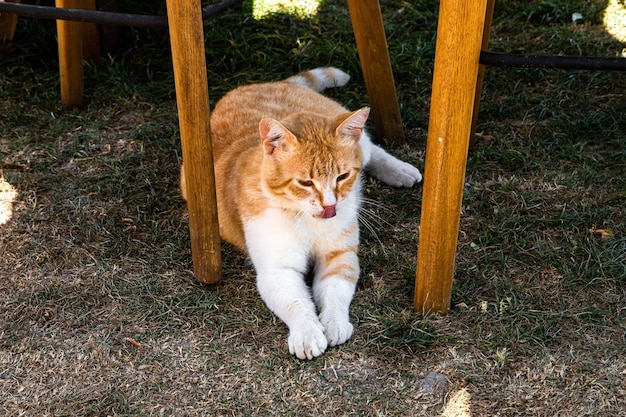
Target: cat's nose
(329, 211)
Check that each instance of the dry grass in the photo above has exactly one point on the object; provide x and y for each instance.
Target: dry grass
(100, 313)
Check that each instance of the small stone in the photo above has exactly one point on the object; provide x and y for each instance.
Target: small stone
(433, 383)
(577, 18)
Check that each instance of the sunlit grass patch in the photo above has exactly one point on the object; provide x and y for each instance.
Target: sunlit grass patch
(297, 8)
(8, 194)
(615, 20)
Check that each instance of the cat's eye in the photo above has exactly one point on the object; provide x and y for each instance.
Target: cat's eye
(305, 183)
(343, 176)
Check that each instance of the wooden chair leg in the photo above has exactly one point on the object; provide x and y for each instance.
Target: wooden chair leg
(8, 24)
(192, 98)
(69, 36)
(371, 43)
(459, 39)
(481, 68)
(91, 35)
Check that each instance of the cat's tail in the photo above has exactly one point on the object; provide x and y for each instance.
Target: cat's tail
(319, 79)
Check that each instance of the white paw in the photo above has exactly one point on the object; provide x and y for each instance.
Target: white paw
(398, 174)
(408, 175)
(307, 342)
(338, 332)
(391, 170)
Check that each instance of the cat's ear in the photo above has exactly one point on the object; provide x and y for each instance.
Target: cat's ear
(275, 136)
(351, 124)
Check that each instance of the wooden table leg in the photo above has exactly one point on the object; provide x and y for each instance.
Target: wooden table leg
(459, 39)
(69, 36)
(369, 32)
(481, 68)
(192, 97)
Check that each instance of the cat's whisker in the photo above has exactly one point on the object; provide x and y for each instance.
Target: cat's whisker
(377, 204)
(297, 220)
(366, 217)
(380, 221)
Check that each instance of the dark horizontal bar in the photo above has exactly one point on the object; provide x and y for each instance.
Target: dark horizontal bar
(105, 18)
(557, 62)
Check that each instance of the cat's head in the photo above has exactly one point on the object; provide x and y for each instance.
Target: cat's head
(311, 163)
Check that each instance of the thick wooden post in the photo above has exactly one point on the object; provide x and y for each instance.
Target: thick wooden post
(459, 39)
(192, 98)
(367, 23)
(69, 36)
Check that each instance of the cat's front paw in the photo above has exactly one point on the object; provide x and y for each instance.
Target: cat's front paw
(400, 174)
(408, 175)
(307, 342)
(338, 332)
(394, 172)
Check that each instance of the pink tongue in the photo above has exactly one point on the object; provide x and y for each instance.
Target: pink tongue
(329, 212)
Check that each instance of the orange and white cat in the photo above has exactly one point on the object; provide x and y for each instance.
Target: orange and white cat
(288, 167)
